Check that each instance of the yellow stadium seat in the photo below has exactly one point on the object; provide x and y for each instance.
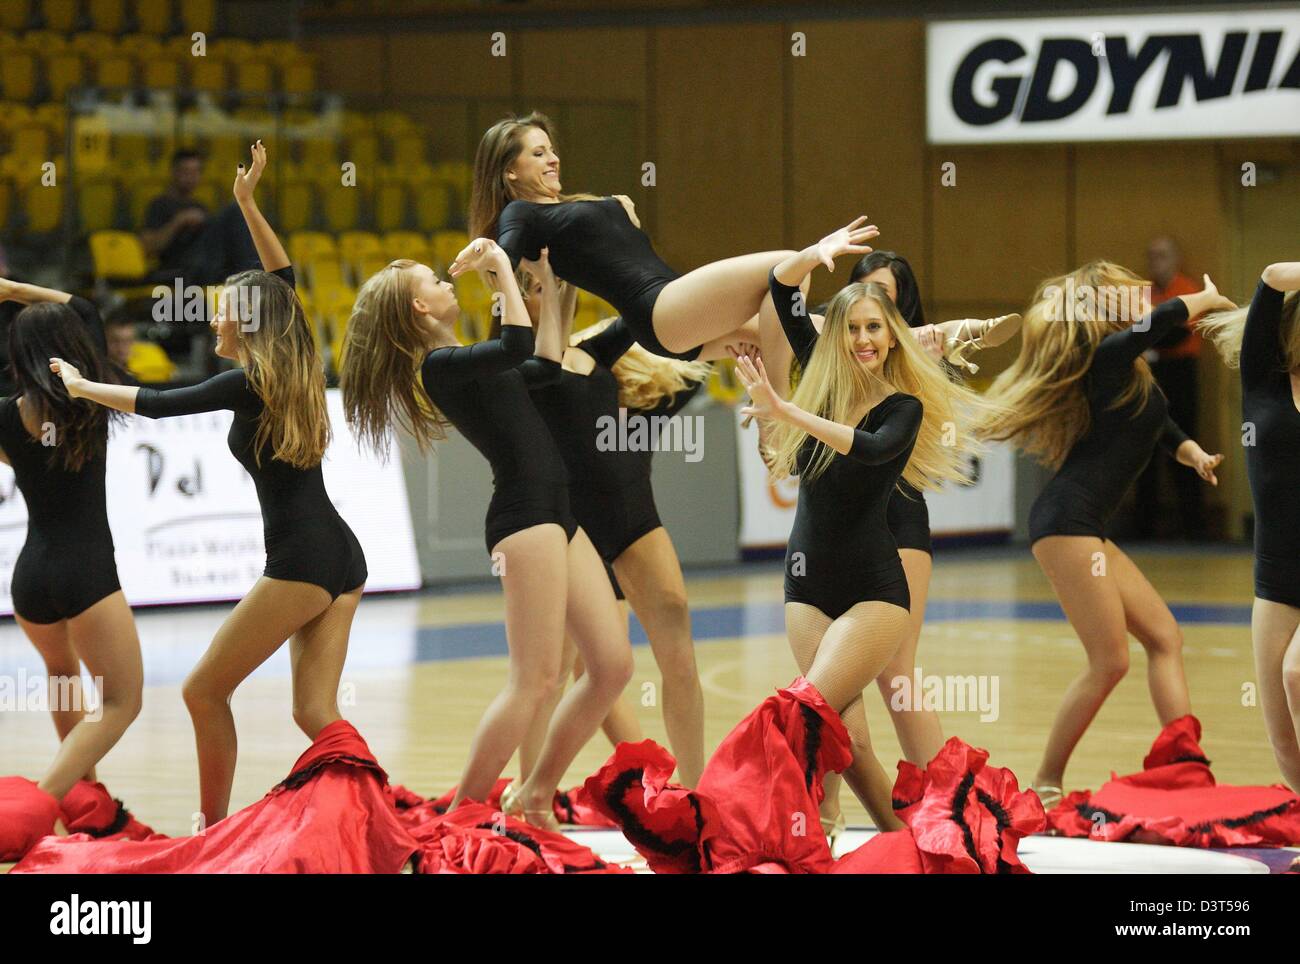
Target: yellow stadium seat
(432, 206)
(278, 51)
(13, 116)
(154, 16)
(409, 148)
(298, 77)
(392, 122)
(139, 45)
(232, 50)
(198, 15)
(363, 150)
(115, 72)
(63, 71)
(8, 40)
(355, 245)
(325, 275)
(54, 117)
(60, 15)
(14, 14)
(132, 153)
(296, 205)
(390, 205)
(6, 202)
(253, 76)
(208, 74)
(107, 16)
(42, 207)
(446, 245)
(18, 75)
(94, 46)
(117, 256)
(340, 204)
(407, 244)
(160, 72)
(355, 122)
(142, 192)
(149, 363)
(370, 264)
(213, 194)
(306, 246)
(223, 152)
(31, 145)
(97, 204)
(44, 42)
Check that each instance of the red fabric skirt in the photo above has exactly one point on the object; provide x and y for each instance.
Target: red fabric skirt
(1174, 799)
(330, 815)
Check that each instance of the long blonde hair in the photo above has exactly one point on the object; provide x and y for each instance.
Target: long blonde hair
(379, 372)
(283, 367)
(644, 378)
(500, 146)
(1044, 406)
(835, 385)
(1225, 329)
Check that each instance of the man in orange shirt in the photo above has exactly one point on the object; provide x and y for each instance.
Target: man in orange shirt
(1174, 362)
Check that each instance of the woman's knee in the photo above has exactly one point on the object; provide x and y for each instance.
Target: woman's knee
(311, 719)
(1110, 667)
(200, 693)
(1166, 641)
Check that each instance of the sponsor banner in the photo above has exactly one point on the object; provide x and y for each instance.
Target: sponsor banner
(1201, 75)
(185, 517)
(767, 508)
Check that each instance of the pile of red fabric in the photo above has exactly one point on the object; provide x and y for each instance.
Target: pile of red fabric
(27, 813)
(757, 805)
(330, 815)
(334, 813)
(1175, 800)
(570, 806)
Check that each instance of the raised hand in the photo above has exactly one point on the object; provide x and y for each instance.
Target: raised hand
(246, 180)
(68, 372)
(542, 272)
(847, 240)
(764, 403)
(479, 255)
(1215, 301)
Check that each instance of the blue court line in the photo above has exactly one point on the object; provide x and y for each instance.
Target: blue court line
(476, 640)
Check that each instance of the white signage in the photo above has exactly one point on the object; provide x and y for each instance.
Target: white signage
(1185, 75)
(185, 518)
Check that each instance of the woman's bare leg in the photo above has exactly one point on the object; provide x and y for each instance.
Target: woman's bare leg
(1086, 585)
(104, 636)
(273, 610)
(317, 653)
(593, 622)
(620, 724)
(1149, 620)
(531, 748)
(713, 300)
(651, 577)
(919, 731)
(62, 665)
(851, 652)
(535, 579)
(1273, 631)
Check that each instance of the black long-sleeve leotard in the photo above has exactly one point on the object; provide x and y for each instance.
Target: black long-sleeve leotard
(908, 515)
(841, 551)
(1087, 489)
(1268, 410)
(66, 564)
(594, 245)
(481, 390)
(609, 484)
(306, 539)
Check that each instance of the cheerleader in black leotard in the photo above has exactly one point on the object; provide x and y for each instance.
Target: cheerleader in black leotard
(1265, 341)
(1080, 397)
(403, 323)
(597, 244)
(65, 590)
(870, 407)
(606, 377)
(315, 570)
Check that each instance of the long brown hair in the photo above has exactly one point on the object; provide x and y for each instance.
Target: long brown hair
(497, 151)
(50, 330)
(1045, 409)
(379, 372)
(1225, 330)
(283, 367)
